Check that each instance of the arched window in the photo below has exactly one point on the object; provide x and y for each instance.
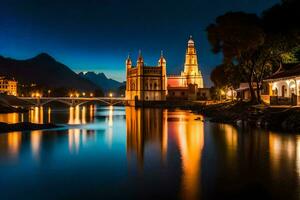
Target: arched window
(155, 86)
(132, 86)
(150, 86)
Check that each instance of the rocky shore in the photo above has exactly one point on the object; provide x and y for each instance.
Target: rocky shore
(24, 126)
(243, 113)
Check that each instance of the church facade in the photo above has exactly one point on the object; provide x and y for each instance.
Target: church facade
(146, 83)
(150, 83)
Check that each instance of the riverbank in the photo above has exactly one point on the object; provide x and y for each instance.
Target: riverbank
(7, 101)
(24, 126)
(244, 113)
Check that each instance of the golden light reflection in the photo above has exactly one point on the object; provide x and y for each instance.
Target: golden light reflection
(110, 125)
(83, 115)
(145, 126)
(189, 134)
(75, 117)
(10, 118)
(110, 116)
(35, 139)
(74, 140)
(49, 115)
(14, 140)
(36, 115)
(284, 152)
(78, 138)
(92, 112)
(231, 138)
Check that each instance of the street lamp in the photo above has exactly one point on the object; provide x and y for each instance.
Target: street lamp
(110, 94)
(91, 94)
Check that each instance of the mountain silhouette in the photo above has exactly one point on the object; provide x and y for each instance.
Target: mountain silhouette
(43, 70)
(106, 84)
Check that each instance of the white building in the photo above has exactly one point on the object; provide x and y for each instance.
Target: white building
(285, 86)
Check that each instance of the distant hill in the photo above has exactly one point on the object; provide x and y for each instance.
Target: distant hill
(107, 84)
(43, 70)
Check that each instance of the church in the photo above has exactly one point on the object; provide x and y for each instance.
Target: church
(151, 83)
(146, 83)
(189, 85)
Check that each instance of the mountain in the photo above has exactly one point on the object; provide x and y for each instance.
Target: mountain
(44, 71)
(107, 84)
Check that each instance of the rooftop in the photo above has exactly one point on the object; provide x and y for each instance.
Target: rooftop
(288, 71)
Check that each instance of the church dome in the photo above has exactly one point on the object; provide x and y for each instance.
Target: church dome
(162, 60)
(191, 41)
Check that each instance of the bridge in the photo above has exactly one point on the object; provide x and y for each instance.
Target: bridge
(73, 101)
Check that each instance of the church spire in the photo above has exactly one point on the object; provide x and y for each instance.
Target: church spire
(140, 60)
(191, 62)
(162, 60)
(128, 61)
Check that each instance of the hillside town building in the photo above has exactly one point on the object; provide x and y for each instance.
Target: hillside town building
(8, 86)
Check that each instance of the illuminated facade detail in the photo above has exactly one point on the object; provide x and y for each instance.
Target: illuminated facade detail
(8, 86)
(146, 83)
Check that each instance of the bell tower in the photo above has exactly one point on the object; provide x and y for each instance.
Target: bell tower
(191, 67)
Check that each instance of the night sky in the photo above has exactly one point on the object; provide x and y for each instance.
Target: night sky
(98, 34)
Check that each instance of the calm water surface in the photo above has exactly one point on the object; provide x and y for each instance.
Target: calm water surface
(128, 153)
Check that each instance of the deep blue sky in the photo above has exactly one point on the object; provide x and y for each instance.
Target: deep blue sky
(98, 34)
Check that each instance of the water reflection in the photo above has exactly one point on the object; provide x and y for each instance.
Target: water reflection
(10, 145)
(10, 118)
(284, 152)
(35, 140)
(176, 150)
(110, 125)
(145, 127)
(14, 143)
(189, 134)
(72, 115)
(78, 138)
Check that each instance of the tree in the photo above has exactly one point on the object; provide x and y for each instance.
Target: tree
(253, 46)
(225, 77)
(237, 35)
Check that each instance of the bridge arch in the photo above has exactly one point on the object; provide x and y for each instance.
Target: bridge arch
(71, 101)
(56, 100)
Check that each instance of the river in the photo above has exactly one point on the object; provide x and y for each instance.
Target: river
(128, 153)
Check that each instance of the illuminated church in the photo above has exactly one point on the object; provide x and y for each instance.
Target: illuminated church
(150, 83)
(189, 84)
(146, 83)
